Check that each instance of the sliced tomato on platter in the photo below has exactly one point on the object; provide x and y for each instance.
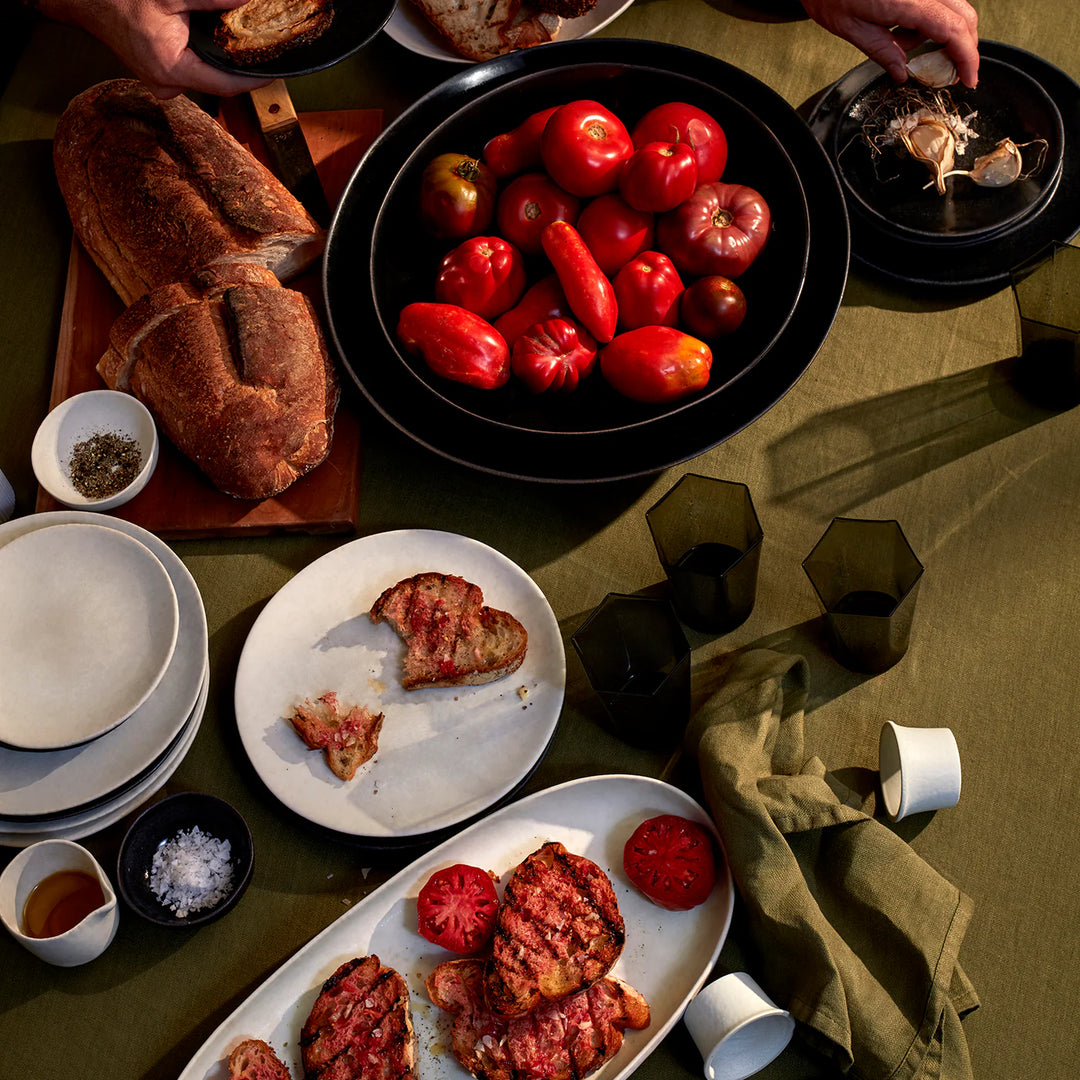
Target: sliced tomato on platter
(670, 859)
(456, 908)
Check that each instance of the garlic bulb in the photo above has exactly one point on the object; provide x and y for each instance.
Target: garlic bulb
(931, 142)
(1000, 167)
(934, 69)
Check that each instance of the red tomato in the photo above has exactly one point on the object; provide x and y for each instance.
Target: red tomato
(583, 147)
(670, 859)
(455, 343)
(527, 204)
(659, 176)
(457, 196)
(588, 291)
(485, 274)
(614, 231)
(720, 229)
(553, 355)
(656, 364)
(713, 307)
(517, 150)
(647, 290)
(675, 121)
(543, 300)
(456, 908)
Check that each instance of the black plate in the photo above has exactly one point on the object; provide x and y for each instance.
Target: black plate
(980, 262)
(355, 23)
(604, 454)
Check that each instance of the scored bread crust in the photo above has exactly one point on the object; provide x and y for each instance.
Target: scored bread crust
(262, 30)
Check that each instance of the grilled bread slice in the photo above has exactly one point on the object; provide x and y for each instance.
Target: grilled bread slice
(558, 1040)
(360, 1027)
(482, 29)
(349, 736)
(262, 30)
(453, 639)
(254, 1059)
(558, 931)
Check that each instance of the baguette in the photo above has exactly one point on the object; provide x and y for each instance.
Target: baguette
(157, 190)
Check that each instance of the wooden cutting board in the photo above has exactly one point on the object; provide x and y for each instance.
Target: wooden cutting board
(179, 502)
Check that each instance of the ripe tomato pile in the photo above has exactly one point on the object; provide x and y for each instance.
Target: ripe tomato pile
(580, 244)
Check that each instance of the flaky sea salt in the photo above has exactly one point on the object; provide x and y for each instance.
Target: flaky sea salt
(191, 871)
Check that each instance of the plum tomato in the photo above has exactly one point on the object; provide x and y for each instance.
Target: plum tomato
(456, 908)
(527, 204)
(457, 196)
(455, 343)
(553, 355)
(647, 290)
(614, 231)
(720, 229)
(588, 291)
(712, 307)
(656, 364)
(515, 151)
(544, 299)
(658, 176)
(670, 859)
(583, 148)
(675, 121)
(485, 274)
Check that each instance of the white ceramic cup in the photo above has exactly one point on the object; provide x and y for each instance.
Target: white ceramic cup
(736, 1027)
(920, 769)
(83, 942)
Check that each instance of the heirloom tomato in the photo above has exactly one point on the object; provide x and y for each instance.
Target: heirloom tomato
(515, 151)
(656, 364)
(583, 147)
(455, 343)
(647, 290)
(659, 176)
(553, 355)
(544, 299)
(588, 292)
(457, 196)
(456, 908)
(713, 307)
(670, 859)
(614, 231)
(675, 121)
(720, 229)
(485, 274)
(527, 204)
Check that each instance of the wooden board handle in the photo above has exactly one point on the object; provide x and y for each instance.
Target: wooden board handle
(273, 106)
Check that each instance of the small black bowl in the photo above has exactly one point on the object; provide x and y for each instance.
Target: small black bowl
(159, 824)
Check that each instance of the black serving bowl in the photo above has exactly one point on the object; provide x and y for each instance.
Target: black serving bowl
(379, 257)
(159, 824)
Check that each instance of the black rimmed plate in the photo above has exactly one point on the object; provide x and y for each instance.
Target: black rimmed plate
(980, 262)
(355, 23)
(605, 449)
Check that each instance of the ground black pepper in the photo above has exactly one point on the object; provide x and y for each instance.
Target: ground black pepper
(104, 464)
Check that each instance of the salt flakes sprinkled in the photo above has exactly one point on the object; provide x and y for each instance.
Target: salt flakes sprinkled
(191, 872)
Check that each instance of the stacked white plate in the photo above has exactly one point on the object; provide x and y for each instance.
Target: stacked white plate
(100, 613)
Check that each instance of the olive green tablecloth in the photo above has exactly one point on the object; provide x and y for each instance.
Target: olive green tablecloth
(907, 412)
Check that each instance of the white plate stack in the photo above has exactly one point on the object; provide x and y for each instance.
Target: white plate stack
(104, 672)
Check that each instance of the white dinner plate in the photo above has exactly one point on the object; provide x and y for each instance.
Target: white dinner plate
(409, 28)
(56, 783)
(667, 957)
(89, 626)
(446, 754)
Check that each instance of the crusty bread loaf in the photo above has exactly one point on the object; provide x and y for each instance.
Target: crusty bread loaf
(234, 367)
(482, 29)
(254, 1059)
(158, 189)
(262, 30)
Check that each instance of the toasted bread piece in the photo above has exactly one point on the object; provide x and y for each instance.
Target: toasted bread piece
(558, 931)
(349, 736)
(482, 29)
(453, 639)
(254, 1059)
(262, 30)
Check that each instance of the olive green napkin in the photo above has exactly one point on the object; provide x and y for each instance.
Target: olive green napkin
(852, 931)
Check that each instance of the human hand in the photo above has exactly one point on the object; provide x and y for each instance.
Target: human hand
(886, 29)
(151, 37)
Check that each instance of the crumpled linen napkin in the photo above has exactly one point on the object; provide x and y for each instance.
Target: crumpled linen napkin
(855, 934)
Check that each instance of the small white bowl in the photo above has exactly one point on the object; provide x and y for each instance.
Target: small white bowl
(81, 417)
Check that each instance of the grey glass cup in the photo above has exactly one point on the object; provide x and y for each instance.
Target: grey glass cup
(708, 539)
(637, 659)
(866, 577)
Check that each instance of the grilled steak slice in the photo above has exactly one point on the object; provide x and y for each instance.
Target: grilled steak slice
(254, 1059)
(360, 1027)
(349, 736)
(558, 931)
(453, 639)
(558, 1040)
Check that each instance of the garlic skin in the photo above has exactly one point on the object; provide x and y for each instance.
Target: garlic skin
(934, 69)
(1000, 167)
(931, 142)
